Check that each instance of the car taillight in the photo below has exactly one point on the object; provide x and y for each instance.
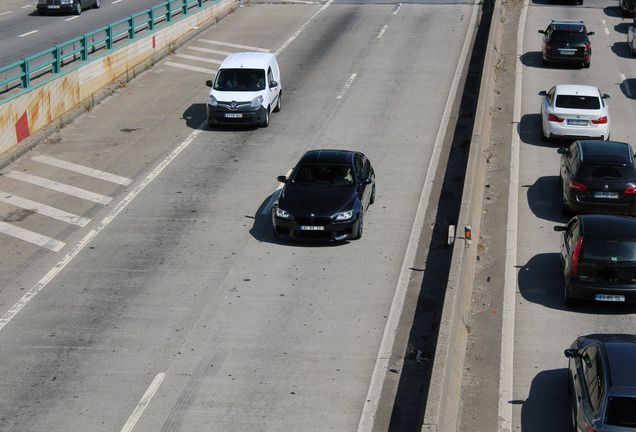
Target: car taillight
(547, 45)
(587, 46)
(578, 186)
(575, 256)
(552, 117)
(590, 429)
(631, 190)
(601, 120)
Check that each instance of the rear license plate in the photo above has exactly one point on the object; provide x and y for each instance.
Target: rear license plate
(612, 195)
(567, 51)
(610, 297)
(577, 122)
(312, 228)
(233, 115)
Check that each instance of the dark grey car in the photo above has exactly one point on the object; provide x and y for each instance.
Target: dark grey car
(602, 382)
(66, 6)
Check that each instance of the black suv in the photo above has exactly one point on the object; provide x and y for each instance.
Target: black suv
(598, 257)
(598, 177)
(566, 41)
(602, 382)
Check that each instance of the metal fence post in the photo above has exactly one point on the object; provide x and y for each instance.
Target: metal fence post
(26, 79)
(131, 27)
(84, 43)
(184, 7)
(57, 57)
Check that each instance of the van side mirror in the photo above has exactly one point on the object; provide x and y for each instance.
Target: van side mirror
(606, 96)
(273, 84)
(208, 83)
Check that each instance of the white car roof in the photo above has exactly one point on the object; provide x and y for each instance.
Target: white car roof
(249, 60)
(576, 89)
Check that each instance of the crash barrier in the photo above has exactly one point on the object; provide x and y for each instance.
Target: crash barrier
(445, 390)
(54, 81)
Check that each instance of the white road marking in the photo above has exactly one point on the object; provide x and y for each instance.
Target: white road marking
(71, 18)
(198, 58)
(5, 13)
(192, 68)
(31, 237)
(382, 31)
(506, 365)
(29, 33)
(385, 353)
(233, 45)
(143, 403)
(59, 187)
(26, 6)
(397, 9)
(17, 307)
(210, 51)
(346, 86)
(43, 209)
(91, 172)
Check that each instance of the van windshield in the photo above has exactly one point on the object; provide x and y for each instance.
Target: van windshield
(240, 80)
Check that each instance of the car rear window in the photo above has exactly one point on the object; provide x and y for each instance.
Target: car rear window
(605, 173)
(574, 37)
(621, 411)
(578, 101)
(609, 250)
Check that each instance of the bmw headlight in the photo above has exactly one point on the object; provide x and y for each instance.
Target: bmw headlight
(257, 101)
(280, 213)
(344, 216)
(212, 101)
(42, 2)
(66, 2)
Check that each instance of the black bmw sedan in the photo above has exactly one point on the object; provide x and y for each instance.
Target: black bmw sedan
(325, 197)
(598, 177)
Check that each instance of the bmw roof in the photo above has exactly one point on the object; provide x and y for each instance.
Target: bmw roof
(327, 156)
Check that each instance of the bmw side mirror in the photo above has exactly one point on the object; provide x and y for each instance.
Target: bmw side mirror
(559, 228)
(208, 83)
(563, 150)
(367, 181)
(606, 96)
(571, 353)
(281, 179)
(543, 93)
(542, 31)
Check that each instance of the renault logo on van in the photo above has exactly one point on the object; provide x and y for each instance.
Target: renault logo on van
(233, 105)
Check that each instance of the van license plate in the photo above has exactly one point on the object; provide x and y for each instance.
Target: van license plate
(233, 115)
(610, 297)
(312, 228)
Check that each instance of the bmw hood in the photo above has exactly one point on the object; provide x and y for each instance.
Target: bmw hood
(321, 201)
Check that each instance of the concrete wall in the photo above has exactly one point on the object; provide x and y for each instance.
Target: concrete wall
(444, 398)
(47, 102)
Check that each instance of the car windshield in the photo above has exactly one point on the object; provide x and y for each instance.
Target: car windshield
(323, 176)
(605, 172)
(240, 80)
(621, 411)
(573, 37)
(610, 250)
(578, 102)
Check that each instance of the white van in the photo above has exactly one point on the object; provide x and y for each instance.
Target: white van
(246, 90)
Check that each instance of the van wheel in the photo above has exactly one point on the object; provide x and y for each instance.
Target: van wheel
(266, 119)
(277, 108)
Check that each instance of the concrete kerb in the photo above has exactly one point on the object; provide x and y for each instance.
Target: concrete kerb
(79, 109)
(444, 397)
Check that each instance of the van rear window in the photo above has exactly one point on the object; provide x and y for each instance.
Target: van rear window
(240, 80)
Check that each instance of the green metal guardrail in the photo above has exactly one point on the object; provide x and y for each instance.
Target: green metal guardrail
(66, 55)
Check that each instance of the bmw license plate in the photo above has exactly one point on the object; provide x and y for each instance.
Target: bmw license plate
(311, 228)
(611, 195)
(574, 122)
(53, 7)
(610, 297)
(567, 51)
(233, 115)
